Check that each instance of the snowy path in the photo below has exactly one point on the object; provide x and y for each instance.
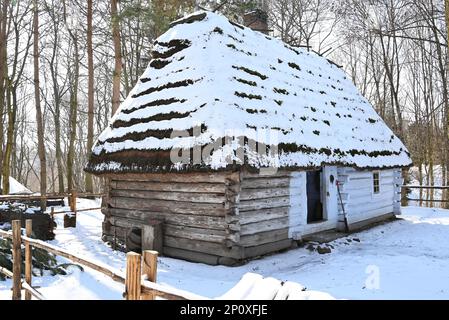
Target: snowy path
(405, 259)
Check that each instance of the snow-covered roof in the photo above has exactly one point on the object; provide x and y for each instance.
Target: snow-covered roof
(220, 82)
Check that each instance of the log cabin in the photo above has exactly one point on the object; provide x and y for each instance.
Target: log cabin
(240, 145)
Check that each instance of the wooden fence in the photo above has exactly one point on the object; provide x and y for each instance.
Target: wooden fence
(71, 197)
(139, 280)
(421, 199)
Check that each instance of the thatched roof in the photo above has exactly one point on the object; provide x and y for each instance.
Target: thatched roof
(224, 83)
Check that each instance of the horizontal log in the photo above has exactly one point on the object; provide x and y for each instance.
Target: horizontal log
(425, 187)
(203, 246)
(251, 252)
(209, 235)
(169, 186)
(280, 173)
(191, 255)
(266, 183)
(263, 237)
(208, 209)
(428, 200)
(191, 177)
(246, 217)
(198, 221)
(257, 204)
(357, 214)
(251, 194)
(257, 227)
(170, 196)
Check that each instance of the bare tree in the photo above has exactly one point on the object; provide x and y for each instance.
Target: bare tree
(90, 93)
(39, 121)
(116, 79)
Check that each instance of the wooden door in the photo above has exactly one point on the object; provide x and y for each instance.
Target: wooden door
(314, 201)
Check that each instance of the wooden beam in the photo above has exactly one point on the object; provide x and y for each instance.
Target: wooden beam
(152, 237)
(149, 270)
(28, 258)
(17, 260)
(133, 276)
(426, 187)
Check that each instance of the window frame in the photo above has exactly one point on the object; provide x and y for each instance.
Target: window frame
(374, 186)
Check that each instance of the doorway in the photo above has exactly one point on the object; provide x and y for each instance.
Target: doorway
(314, 201)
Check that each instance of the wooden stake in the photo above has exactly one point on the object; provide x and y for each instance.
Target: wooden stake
(72, 201)
(28, 257)
(149, 269)
(133, 276)
(17, 260)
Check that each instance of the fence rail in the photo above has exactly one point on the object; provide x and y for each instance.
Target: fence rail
(139, 279)
(420, 200)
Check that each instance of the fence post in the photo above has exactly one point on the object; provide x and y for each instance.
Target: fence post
(16, 259)
(133, 276)
(149, 269)
(28, 257)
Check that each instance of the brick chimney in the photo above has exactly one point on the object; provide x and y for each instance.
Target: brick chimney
(256, 20)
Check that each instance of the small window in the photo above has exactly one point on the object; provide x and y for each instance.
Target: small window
(376, 182)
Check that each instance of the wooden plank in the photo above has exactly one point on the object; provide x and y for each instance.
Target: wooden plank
(246, 217)
(208, 209)
(262, 226)
(251, 194)
(17, 260)
(251, 252)
(202, 246)
(198, 221)
(265, 182)
(263, 237)
(257, 204)
(133, 276)
(191, 177)
(28, 258)
(199, 187)
(209, 235)
(152, 236)
(191, 255)
(361, 192)
(171, 196)
(369, 202)
(280, 173)
(149, 269)
(426, 187)
(367, 213)
(360, 224)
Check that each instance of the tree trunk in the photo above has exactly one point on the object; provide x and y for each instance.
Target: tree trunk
(73, 118)
(117, 55)
(12, 110)
(446, 125)
(40, 126)
(90, 93)
(3, 72)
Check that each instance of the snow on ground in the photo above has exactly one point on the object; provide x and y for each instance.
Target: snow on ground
(405, 259)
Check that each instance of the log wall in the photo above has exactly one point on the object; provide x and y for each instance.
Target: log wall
(264, 209)
(225, 217)
(198, 212)
(360, 202)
